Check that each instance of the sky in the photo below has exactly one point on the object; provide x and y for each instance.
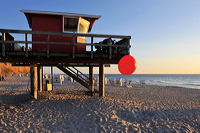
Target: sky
(165, 33)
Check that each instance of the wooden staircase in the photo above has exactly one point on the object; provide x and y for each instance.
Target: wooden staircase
(77, 75)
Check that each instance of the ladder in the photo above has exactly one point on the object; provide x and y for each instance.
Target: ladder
(76, 74)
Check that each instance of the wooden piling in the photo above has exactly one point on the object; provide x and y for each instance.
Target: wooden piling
(101, 81)
(40, 78)
(0, 75)
(34, 83)
(3, 45)
(31, 77)
(91, 80)
(52, 76)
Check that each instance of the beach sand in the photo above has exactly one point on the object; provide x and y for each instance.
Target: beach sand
(141, 108)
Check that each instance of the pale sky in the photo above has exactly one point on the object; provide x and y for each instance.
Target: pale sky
(165, 33)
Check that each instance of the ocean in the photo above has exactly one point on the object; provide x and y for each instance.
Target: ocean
(179, 80)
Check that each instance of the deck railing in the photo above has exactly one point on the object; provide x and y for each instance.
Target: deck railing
(123, 43)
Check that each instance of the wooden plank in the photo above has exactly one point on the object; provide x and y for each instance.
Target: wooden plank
(101, 81)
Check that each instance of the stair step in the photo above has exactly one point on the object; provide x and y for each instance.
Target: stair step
(75, 75)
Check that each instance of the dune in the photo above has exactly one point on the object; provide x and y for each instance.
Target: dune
(8, 69)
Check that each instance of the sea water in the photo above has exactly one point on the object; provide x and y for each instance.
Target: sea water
(179, 80)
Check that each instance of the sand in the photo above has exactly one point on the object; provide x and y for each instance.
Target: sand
(141, 108)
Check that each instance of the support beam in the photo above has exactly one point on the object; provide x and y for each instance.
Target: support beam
(0, 75)
(52, 76)
(101, 81)
(40, 78)
(91, 80)
(34, 83)
(3, 45)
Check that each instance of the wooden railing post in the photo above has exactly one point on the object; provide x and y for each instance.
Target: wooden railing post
(128, 46)
(110, 49)
(48, 51)
(92, 41)
(73, 48)
(48, 47)
(3, 45)
(26, 47)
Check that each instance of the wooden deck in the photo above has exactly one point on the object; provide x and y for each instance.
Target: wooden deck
(90, 58)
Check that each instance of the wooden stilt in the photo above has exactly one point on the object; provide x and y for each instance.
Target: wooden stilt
(91, 80)
(0, 75)
(31, 76)
(52, 76)
(40, 78)
(34, 83)
(101, 81)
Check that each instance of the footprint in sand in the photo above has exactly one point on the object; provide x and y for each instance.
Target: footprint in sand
(127, 116)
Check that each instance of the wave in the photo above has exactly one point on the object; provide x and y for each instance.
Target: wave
(193, 84)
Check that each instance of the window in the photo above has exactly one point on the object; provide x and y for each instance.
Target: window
(70, 24)
(79, 25)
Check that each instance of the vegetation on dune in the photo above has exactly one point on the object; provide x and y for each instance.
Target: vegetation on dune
(8, 69)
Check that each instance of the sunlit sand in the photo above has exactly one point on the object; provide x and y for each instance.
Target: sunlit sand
(140, 108)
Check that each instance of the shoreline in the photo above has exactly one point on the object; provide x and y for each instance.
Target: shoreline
(141, 108)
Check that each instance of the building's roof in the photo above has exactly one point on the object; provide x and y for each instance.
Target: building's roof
(29, 12)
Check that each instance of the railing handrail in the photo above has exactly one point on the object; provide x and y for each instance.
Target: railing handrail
(61, 43)
(125, 45)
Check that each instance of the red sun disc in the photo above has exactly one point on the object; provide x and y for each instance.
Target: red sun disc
(127, 65)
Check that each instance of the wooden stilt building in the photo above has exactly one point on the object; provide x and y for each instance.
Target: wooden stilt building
(59, 39)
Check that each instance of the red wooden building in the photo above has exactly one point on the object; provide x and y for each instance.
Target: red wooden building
(59, 39)
(59, 22)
